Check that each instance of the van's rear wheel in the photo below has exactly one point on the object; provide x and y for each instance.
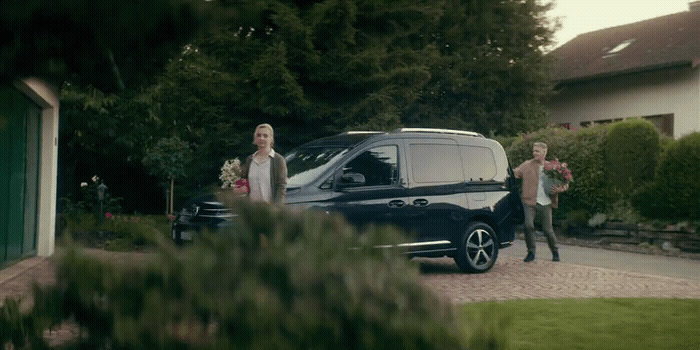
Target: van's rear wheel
(478, 248)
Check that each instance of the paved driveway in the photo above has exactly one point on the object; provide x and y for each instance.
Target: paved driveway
(582, 273)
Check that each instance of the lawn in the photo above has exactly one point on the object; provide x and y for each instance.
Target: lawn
(618, 324)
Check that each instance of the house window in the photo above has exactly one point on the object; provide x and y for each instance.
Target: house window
(663, 123)
(585, 124)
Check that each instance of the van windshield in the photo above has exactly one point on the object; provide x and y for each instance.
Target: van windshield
(306, 164)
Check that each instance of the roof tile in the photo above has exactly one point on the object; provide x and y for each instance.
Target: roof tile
(665, 41)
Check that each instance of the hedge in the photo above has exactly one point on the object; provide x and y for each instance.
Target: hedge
(674, 194)
(631, 153)
(583, 151)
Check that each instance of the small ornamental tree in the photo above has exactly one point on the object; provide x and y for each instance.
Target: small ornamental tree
(168, 159)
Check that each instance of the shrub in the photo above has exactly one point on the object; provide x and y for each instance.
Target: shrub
(506, 141)
(675, 190)
(88, 201)
(115, 232)
(275, 280)
(583, 151)
(631, 152)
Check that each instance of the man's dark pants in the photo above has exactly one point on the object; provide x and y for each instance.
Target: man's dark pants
(545, 212)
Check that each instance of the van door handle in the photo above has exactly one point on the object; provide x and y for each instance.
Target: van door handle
(397, 203)
(420, 202)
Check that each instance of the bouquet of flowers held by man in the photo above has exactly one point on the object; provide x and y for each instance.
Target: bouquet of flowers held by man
(556, 173)
(232, 174)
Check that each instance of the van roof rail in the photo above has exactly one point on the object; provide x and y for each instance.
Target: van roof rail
(360, 132)
(440, 131)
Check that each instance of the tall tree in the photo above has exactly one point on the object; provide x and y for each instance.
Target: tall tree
(107, 44)
(311, 68)
(492, 71)
(316, 67)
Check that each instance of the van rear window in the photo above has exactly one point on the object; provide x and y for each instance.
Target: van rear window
(434, 163)
(479, 163)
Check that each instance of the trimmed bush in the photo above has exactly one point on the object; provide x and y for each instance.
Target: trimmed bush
(631, 153)
(675, 191)
(583, 151)
(275, 280)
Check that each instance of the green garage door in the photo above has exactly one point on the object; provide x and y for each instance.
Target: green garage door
(19, 174)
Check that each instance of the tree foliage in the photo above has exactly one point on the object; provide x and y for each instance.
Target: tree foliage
(168, 159)
(491, 73)
(309, 68)
(320, 67)
(111, 45)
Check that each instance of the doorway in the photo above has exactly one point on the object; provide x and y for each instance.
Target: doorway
(19, 174)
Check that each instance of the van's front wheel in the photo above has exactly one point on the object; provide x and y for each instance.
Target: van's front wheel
(478, 248)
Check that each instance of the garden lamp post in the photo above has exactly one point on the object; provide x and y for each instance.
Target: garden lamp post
(101, 189)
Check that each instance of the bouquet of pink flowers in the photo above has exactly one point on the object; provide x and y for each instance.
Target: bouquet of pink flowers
(558, 171)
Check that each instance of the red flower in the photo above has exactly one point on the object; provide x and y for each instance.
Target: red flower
(558, 171)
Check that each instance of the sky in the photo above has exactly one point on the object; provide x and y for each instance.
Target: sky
(583, 16)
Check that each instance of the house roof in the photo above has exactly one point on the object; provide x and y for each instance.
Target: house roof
(667, 41)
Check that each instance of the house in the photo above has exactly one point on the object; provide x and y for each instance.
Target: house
(28, 168)
(648, 69)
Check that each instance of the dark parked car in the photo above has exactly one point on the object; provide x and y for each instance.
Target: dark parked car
(454, 189)
(200, 213)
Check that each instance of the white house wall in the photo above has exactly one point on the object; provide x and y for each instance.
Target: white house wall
(47, 99)
(669, 91)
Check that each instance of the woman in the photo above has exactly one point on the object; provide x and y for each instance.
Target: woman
(265, 169)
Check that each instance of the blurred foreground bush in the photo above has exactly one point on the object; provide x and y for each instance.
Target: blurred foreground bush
(275, 280)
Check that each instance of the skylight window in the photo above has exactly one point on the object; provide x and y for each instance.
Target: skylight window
(621, 46)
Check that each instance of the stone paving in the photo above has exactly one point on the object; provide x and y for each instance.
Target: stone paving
(510, 278)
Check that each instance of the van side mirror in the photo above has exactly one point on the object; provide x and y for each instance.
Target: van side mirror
(350, 180)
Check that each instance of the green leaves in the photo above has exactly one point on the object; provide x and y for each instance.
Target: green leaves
(168, 157)
(631, 153)
(309, 68)
(277, 88)
(674, 192)
(110, 45)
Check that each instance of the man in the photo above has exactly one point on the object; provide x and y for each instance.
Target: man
(536, 201)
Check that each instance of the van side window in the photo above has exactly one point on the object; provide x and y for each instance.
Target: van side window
(480, 163)
(436, 163)
(379, 166)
